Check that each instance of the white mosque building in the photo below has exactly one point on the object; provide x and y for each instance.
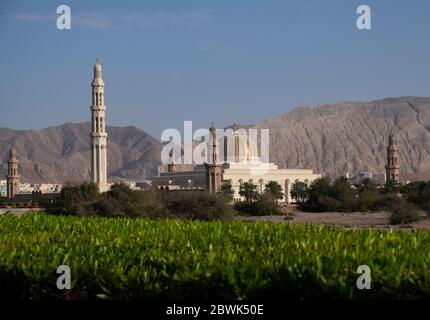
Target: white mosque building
(240, 163)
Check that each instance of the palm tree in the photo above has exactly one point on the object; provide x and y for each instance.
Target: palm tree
(299, 191)
(274, 189)
(248, 190)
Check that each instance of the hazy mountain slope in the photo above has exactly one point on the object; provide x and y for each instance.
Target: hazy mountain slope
(352, 136)
(61, 153)
(331, 139)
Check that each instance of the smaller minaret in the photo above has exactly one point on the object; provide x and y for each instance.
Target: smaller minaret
(392, 167)
(12, 175)
(213, 168)
(171, 167)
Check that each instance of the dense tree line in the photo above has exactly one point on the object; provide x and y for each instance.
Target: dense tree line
(324, 195)
(406, 202)
(121, 201)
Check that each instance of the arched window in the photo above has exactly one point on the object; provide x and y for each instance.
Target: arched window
(97, 123)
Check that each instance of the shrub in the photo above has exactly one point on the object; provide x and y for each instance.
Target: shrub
(262, 207)
(198, 205)
(403, 213)
(418, 193)
(336, 196)
(121, 201)
(326, 203)
(365, 201)
(74, 199)
(227, 190)
(384, 201)
(319, 187)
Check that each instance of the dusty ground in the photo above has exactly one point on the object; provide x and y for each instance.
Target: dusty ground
(16, 211)
(378, 220)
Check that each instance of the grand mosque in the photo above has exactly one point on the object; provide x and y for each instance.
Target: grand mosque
(238, 161)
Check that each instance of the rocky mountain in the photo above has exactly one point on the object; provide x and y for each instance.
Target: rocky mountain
(352, 136)
(330, 139)
(62, 153)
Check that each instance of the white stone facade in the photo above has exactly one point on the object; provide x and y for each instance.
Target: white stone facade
(261, 173)
(241, 164)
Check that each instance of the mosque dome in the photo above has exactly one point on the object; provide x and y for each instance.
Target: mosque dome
(239, 147)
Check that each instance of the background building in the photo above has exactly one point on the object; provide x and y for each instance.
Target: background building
(3, 188)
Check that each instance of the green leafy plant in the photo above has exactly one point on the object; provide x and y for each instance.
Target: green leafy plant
(183, 259)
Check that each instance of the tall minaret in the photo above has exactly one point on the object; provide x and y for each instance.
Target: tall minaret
(213, 168)
(98, 134)
(392, 167)
(12, 175)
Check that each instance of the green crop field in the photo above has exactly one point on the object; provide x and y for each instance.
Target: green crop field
(135, 259)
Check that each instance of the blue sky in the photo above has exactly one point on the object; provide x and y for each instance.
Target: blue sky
(169, 61)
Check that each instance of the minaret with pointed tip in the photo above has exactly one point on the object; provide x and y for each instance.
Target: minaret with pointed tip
(12, 175)
(213, 168)
(392, 167)
(98, 131)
